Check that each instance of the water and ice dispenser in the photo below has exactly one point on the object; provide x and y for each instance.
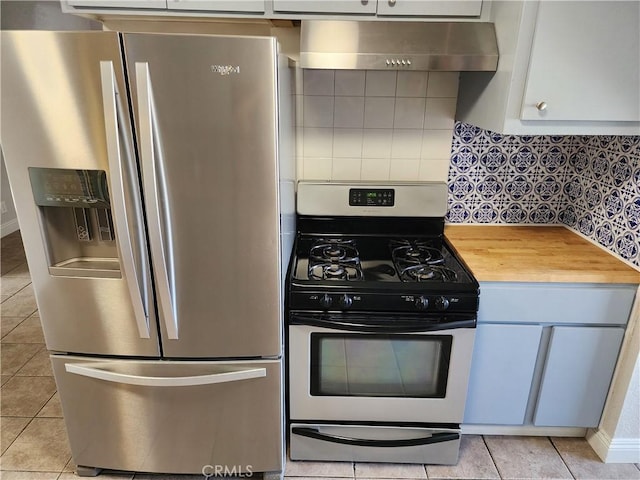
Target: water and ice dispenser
(76, 221)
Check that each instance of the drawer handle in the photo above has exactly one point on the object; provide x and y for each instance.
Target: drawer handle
(208, 379)
(360, 442)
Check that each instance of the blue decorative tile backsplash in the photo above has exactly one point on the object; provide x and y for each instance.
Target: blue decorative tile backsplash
(590, 183)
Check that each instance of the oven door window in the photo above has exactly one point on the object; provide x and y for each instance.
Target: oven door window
(357, 365)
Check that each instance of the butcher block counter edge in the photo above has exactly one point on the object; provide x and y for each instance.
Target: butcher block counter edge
(502, 253)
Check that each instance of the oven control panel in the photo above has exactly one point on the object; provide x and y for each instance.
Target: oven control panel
(371, 197)
(343, 301)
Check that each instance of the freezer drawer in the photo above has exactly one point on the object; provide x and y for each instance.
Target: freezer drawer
(172, 417)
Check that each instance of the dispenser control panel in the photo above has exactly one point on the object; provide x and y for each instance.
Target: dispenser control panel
(61, 187)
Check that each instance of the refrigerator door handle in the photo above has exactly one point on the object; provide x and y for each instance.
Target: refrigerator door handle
(112, 117)
(153, 179)
(189, 381)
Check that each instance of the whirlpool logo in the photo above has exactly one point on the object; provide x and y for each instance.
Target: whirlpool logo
(225, 69)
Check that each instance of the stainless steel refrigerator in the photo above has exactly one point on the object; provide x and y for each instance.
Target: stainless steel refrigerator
(153, 180)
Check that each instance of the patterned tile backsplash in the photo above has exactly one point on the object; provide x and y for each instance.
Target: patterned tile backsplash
(590, 183)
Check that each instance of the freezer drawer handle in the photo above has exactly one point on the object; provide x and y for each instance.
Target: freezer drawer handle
(111, 114)
(154, 183)
(360, 442)
(209, 379)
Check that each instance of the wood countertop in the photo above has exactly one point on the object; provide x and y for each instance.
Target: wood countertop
(536, 254)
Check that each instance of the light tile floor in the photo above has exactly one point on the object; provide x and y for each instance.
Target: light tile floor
(34, 443)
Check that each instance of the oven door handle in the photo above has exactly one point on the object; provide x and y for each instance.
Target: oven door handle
(361, 442)
(410, 326)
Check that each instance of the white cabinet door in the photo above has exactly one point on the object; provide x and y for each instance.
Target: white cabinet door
(504, 359)
(585, 62)
(363, 7)
(217, 5)
(156, 4)
(577, 375)
(445, 8)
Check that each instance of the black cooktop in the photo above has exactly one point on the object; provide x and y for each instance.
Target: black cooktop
(350, 267)
(363, 261)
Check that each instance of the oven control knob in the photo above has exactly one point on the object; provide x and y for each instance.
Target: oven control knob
(442, 303)
(345, 301)
(326, 301)
(422, 303)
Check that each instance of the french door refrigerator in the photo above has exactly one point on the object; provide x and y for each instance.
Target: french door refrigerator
(153, 182)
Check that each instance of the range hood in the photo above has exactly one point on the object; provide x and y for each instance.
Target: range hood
(374, 45)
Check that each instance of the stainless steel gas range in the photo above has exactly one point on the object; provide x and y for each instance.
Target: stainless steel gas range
(381, 322)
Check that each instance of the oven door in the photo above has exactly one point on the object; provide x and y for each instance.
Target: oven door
(377, 368)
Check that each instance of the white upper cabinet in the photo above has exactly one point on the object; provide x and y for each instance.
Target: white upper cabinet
(444, 8)
(566, 67)
(362, 7)
(249, 6)
(286, 9)
(592, 71)
(440, 8)
(136, 4)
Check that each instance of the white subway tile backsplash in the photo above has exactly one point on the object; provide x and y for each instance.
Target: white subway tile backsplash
(412, 84)
(404, 169)
(378, 112)
(375, 125)
(318, 82)
(443, 84)
(406, 144)
(440, 113)
(409, 113)
(349, 83)
(375, 168)
(346, 168)
(434, 170)
(299, 103)
(317, 168)
(349, 112)
(376, 143)
(380, 83)
(318, 142)
(347, 142)
(299, 142)
(436, 144)
(318, 111)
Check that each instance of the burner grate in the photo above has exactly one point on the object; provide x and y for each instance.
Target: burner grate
(416, 261)
(335, 259)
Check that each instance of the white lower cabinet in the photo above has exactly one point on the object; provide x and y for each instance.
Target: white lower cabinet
(536, 363)
(577, 374)
(502, 373)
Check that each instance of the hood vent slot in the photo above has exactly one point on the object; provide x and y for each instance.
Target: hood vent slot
(373, 45)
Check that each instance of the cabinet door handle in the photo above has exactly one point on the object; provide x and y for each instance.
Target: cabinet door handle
(392, 3)
(541, 106)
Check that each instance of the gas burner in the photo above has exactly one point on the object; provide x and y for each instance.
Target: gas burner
(335, 271)
(415, 252)
(334, 250)
(416, 261)
(334, 259)
(426, 273)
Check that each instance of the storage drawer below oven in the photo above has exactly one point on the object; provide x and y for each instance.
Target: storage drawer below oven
(363, 443)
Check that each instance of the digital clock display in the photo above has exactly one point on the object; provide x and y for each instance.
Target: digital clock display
(371, 197)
